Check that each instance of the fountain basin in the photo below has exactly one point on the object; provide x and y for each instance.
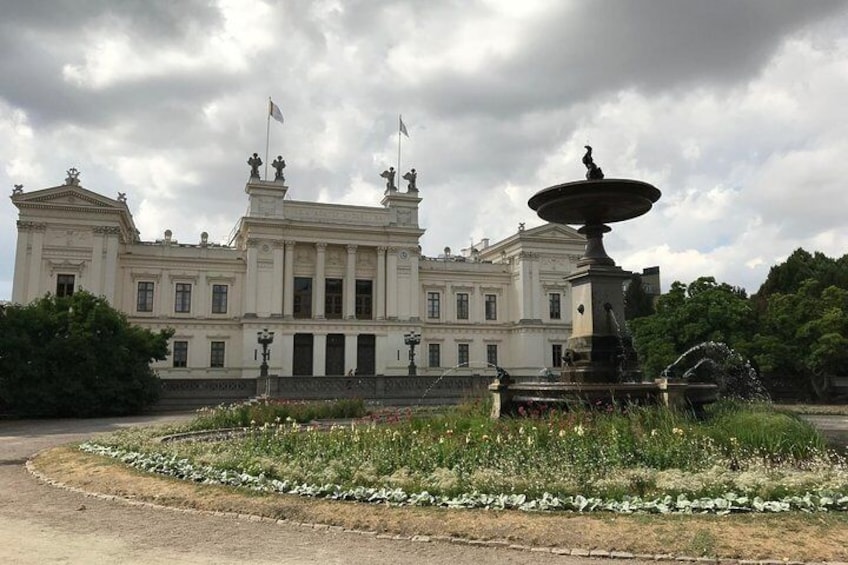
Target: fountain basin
(594, 202)
(507, 396)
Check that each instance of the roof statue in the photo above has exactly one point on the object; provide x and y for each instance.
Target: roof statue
(19, 189)
(411, 177)
(390, 178)
(122, 197)
(279, 164)
(73, 177)
(254, 163)
(593, 172)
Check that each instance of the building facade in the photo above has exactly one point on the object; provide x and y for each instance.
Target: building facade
(339, 285)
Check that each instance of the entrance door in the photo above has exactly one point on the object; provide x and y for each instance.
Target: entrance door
(366, 354)
(335, 355)
(302, 355)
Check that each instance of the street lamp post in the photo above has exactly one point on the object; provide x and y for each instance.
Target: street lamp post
(412, 339)
(265, 338)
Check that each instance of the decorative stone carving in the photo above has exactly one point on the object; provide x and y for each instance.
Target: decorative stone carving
(255, 162)
(122, 197)
(73, 177)
(31, 226)
(279, 164)
(19, 189)
(389, 175)
(411, 177)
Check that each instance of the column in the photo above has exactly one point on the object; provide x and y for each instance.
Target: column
(319, 355)
(288, 281)
(251, 278)
(277, 282)
(319, 286)
(34, 286)
(380, 291)
(391, 284)
(350, 284)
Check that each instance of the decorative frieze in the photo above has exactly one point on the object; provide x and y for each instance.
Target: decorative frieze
(31, 226)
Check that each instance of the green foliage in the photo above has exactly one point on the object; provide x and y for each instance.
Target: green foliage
(269, 411)
(789, 276)
(637, 302)
(804, 335)
(688, 315)
(76, 356)
(646, 451)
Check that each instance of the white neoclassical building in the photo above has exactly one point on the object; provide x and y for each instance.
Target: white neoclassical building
(338, 285)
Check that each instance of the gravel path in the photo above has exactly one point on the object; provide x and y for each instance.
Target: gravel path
(42, 524)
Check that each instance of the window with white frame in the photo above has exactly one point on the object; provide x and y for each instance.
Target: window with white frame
(144, 301)
(491, 307)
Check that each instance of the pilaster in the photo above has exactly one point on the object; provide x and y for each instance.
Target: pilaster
(288, 284)
(319, 302)
(350, 283)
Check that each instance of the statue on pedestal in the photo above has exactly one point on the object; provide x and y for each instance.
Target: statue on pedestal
(411, 176)
(254, 163)
(279, 164)
(593, 172)
(390, 178)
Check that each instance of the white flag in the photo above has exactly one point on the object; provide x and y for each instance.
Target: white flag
(403, 127)
(274, 111)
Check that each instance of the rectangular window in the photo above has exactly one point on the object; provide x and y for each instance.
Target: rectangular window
(180, 354)
(433, 305)
(434, 355)
(492, 354)
(556, 354)
(333, 298)
(219, 298)
(554, 306)
(302, 297)
(182, 298)
(144, 303)
(462, 306)
(462, 354)
(364, 300)
(491, 307)
(64, 285)
(216, 354)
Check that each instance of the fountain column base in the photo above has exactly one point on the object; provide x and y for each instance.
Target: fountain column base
(596, 352)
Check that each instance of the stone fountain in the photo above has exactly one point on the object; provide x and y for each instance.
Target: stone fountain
(595, 364)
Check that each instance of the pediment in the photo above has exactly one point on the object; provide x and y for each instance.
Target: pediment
(67, 195)
(556, 231)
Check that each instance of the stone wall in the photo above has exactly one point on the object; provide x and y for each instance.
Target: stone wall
(189, 394)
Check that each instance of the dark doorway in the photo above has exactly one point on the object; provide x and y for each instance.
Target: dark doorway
(366, 354)
(335, 355)
(302, 358)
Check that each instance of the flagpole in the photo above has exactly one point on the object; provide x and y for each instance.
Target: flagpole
(267, 137)
(400, 121)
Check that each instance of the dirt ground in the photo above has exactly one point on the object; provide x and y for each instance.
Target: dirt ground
(793, 537)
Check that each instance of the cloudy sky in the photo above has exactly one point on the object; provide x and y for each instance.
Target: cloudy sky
(737, 110)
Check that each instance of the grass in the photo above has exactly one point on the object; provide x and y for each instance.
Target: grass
(750, 449)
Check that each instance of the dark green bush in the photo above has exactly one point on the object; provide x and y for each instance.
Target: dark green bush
(76, 356)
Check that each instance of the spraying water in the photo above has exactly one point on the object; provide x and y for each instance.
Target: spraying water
(713, 361)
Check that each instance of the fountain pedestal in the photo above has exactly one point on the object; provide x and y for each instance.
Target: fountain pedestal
(595, 350)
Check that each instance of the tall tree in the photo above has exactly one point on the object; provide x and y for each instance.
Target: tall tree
(76, 356)
(804, 337)
(688, 315)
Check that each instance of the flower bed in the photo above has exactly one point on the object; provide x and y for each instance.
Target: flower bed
(741, 458)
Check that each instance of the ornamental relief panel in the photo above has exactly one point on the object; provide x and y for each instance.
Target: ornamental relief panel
(67, 238)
